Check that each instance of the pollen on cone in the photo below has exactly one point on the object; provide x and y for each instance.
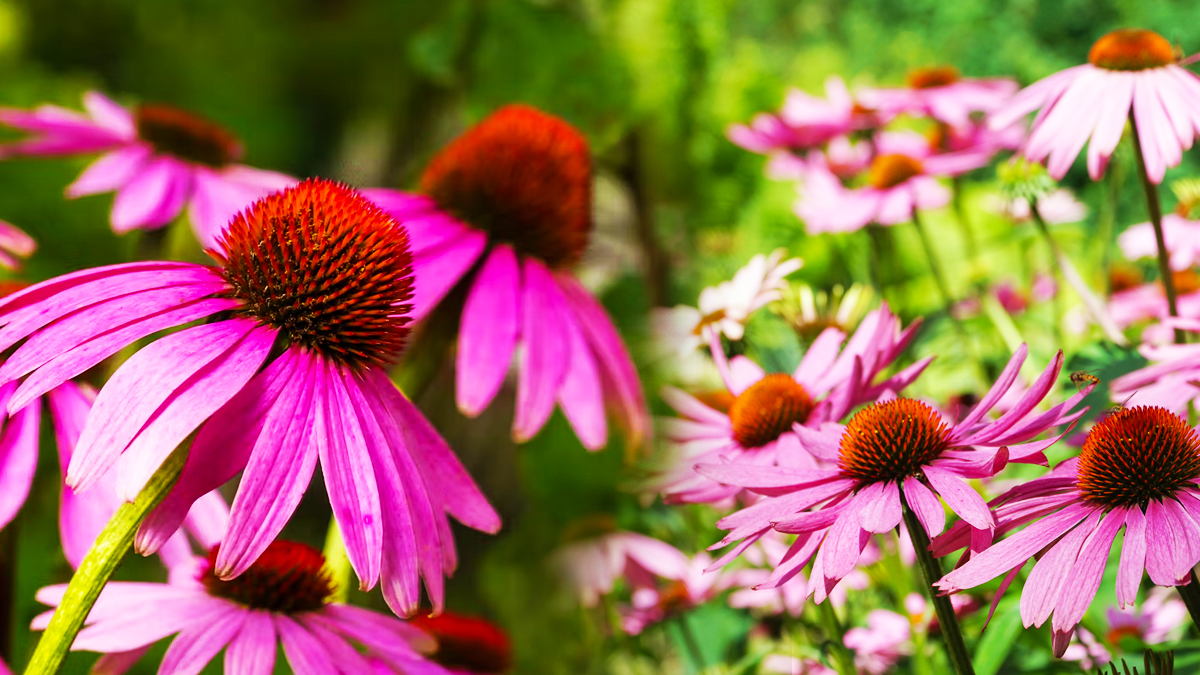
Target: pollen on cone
(767, 409)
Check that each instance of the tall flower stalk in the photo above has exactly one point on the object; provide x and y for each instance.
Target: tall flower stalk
(1154, 209)
(931, 571)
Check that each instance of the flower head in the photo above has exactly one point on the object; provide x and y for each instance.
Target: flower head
(1182, 237)
(771, 415)
(1130, 74)
(591, 565)
(156, 157)
(893, 452)
(310, 298)
(505, 215)
(1169, 381)
(281, 600)
(942, 93)
(806, 122)
(1138, 469)
(467, 645)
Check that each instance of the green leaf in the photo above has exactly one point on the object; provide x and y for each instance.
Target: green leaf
(996, 642)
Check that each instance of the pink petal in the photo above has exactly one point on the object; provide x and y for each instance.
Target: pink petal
(1133, 558)
(348, 659)
(1114, 113)
(879, 507)
(1032, 397)
(252, 651)
(110, 171)
(1051, 574)
(153, 196)
(383, 633)
(820, 356)
(744, 373)
(278, 470)
(488, 334)
(1001, 386)
(689, 406)
(436, 271)
(581, 396)
(545, 342)
(109, 115)
(18, 459)
(139, 387)
(1161, 545)
(149, 622)
(843, 546)
(1085, 575)
(303, 652)
(925, 505)
(960, 498)
(195, 646)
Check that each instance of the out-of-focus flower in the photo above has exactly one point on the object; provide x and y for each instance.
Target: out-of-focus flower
(14, 245)
(882, 643)
(791, 597)
(654, 601)
(1161, 618)
(1059, 206)
(591, 565)
(281, 600)
(467, 645)
(157, 158)
(898, 444)
(794, 665)
(1087, 650)
(942, 93)
(1169, 380)
(805, 121)
(1127, 71)
(763, 421)
(508, 206)
(1149, 301)
(809, 312)
(896, 186)
(1138, 469)
(1182, 237)
(311, 287)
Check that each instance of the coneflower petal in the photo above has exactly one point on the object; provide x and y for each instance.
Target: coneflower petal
(489, 330)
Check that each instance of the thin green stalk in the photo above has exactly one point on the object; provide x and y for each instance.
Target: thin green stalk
(1190, 594)
(934, 266)
(964, 223)
(689, 639)
(98, 566)
(1154, 207)
(337, 562)
(843, 660)
(931, 571)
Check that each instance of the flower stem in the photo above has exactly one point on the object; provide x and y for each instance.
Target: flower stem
(934, 266)
(1155, 209)
(931, 571)
(843, 660)
(1190, 594)
(960, 212)
(689, 639)
(337, 563)
(98, 566)
(1071, 275)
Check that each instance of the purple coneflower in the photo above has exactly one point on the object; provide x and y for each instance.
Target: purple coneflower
(1128, 72)
(772, 415)
(942, 93)
(310, 295)
(1180, 234)
(506, 211)
(157, 158)
(281, 600)
(806, 122)
(1170, 380)
(899, 451)
(1138, 469)
(591, 565)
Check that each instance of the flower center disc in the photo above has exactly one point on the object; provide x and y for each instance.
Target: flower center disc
(1186, 282)
(523, 176)
(888, 171)
(933, 76)
(1131, 49)
(466, 642)
(287, 578)
(1136, 455)
(326, 267)
(892, 441)
(768, 409)
(177, 132)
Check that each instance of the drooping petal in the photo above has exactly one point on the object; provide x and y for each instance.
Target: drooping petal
(546, 346)
(149, 622)
(252, 650)
(110, 171)
(436, 270)
(153, 196)
(18, 458)
(581, 396)
(488, 334)
(1086, 572)
(348, 659)
(880, 512)
(195, 646)
(926, 505)
(1161, 545)
(1052, 574)
(304, 654)
(960, 498)
(1133, 557)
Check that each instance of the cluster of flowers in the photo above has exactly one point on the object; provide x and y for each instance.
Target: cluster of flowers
(275, 358)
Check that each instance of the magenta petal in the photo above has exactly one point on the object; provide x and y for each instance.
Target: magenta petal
(350, 479)
(149, 622)
(1001, 386)
(185, 410)
(80, 517)
(221, 448)
(278, 471)
(819, 357)
(252, 650)
(581, 396)
(195, 646)
(153, 196)
(1161, 545)
(843, 544)
(139, 387)
(303, 653)
(109, 172)
(18, 459)
(1036, 393)
(348, 659)
(488, 334)
(436, 271)
(1133, 558)
(879, 510)
(960, 498)
(1046, 582)
(926, 505)
(546, 346)
(1086, 573)
(438, 463)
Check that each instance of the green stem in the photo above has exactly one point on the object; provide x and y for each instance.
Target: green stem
(934, 266)
(843, 660)
(960, 212)
(1190, 594)
(98, 566)
(1154, 207)
(931, 571)
(337, 563)
(689, 639)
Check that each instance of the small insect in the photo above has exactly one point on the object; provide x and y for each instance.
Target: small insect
(1118, 407)
(1081, 379)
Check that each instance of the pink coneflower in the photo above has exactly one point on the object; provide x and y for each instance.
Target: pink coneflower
(900, 451)
(281, 600)
(896, 186)
(1161, 617)
(157, 158)
(772, 414)
(942, 93)
(654, 601)
(1128, 72)
(467, 645)
(884, 641)
(1182, 237)
(1059, 206)
(1138, 469)
(14, 245)
(592, 565)
(1149, 301)
(505, 215)
(806, 121)
(1169, 381)
(310, 291)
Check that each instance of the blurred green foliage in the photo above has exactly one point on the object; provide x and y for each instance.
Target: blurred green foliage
(367, 90)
